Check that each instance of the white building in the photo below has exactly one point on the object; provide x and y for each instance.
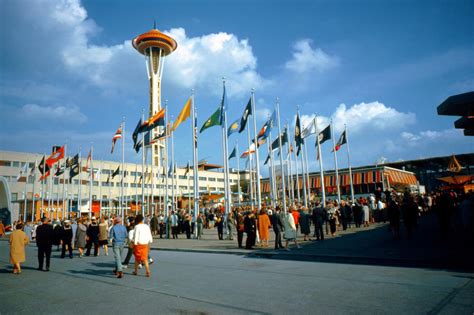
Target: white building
(106, 193)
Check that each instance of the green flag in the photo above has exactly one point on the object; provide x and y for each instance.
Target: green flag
(214, 120)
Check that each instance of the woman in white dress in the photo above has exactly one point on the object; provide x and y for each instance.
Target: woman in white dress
(290, 230)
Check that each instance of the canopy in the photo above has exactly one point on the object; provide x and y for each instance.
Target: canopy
(458, 179)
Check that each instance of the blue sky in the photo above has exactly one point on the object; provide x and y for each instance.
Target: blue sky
(69, 73)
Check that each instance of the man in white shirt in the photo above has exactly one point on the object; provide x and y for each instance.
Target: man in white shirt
(142, 239)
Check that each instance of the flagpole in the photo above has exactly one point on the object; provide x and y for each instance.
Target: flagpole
(335, 164)
(64, 180)
(123, 169)
(195, 163)
(281, 158)
(308, 188)
(189, 191)
(226, 169)
(290, 167)
(33, 197)
(250, 170)
(91, 174)
(257, 157)
(172, 170)
(349, 164)
(271, 171)
(79, 201)
(26, 183)
(100, 188)
(238, 171)
(42, 190)
(166, 171)
(136, 186)
(142, 207)
(303, 176)
(297, 174)
(321, 170)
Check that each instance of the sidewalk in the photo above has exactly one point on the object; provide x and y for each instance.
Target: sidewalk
(373, 245)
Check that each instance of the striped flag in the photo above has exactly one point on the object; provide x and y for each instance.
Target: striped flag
(118, 135)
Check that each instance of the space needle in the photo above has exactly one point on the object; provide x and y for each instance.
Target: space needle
(155, 46)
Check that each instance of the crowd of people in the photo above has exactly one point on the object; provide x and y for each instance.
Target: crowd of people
(454, 212)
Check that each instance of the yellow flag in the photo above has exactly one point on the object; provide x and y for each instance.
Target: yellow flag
(185, 113)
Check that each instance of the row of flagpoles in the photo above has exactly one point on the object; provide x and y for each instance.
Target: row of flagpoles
(157, 129)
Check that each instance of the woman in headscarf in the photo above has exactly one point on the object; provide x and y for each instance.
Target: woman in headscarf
(18, 241)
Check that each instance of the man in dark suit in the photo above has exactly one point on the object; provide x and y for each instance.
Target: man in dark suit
(250, 226)
(44, 241)
(277, 225)
(319, 216)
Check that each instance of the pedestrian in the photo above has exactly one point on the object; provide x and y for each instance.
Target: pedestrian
(230, 226)
(264, 225)
(18, 242)
(130, 243)
(304, 224)
(290, 229)
(366, 213)
(277, 225)
(250, 228)
(93, 237)
(66, 238)
(394, 217)
(174, 224)
(161, 224)
(319, 217)
(118, 235)
(199, 226)
(74, 231)
(332, 216)
(154, 224)
(57, 228)
(220, 226)
(81, 236)
(187, 226)
(103, 233)
(28, 229)
(410, 215)
(142, 239)
(346, 215)
(44, 241)
(240, 227)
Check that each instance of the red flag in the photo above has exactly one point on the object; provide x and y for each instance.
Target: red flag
(55, 156)
(118, 135)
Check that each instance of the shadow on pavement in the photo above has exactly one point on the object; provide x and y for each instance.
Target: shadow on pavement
(377, 246)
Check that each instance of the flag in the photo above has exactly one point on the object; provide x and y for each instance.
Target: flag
(23, 172)
(249, 151)
(195, 133)
(245, 115)
(58, 153)
(165, 133)
(118, 135)
(234, 153)
(156, 120)
(309, 130)
(187, 169)
(138, 146)
(342, 140)
(44, 169)
(32, 170)
(135, 133)
(267, 127)
(298, 137)
(267, 159)
(170, 170)
(284, 140)
(59, 169)
(183, 115)
(324, 135)
(89, 159)
(453, 165)
(234, 127)
(108, 179)
(74, 167)
(214, 120)
(116, 172)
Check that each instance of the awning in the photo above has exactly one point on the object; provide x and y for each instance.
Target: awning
(399, 177)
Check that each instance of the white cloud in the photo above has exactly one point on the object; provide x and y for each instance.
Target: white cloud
(306, 59)
(263, 113)
(363, 117)
(61, 113)
(427, 136)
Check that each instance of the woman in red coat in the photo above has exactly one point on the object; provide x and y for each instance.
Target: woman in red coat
(263, 227)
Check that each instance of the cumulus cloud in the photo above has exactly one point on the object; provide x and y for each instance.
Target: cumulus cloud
(56, 113)
(306, 59)
(363, 117)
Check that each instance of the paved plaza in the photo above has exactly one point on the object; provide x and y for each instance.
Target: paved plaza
(349, 274)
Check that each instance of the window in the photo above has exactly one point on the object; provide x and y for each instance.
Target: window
(6, 163)
(14, 196)
(15, 164)
(94, 183)
(220, 180)
(94, 197)
(211, 179)
(76, 181)
(182, 177)
(31, 165)
(105, 171)
(104, 197)
(202, 178)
